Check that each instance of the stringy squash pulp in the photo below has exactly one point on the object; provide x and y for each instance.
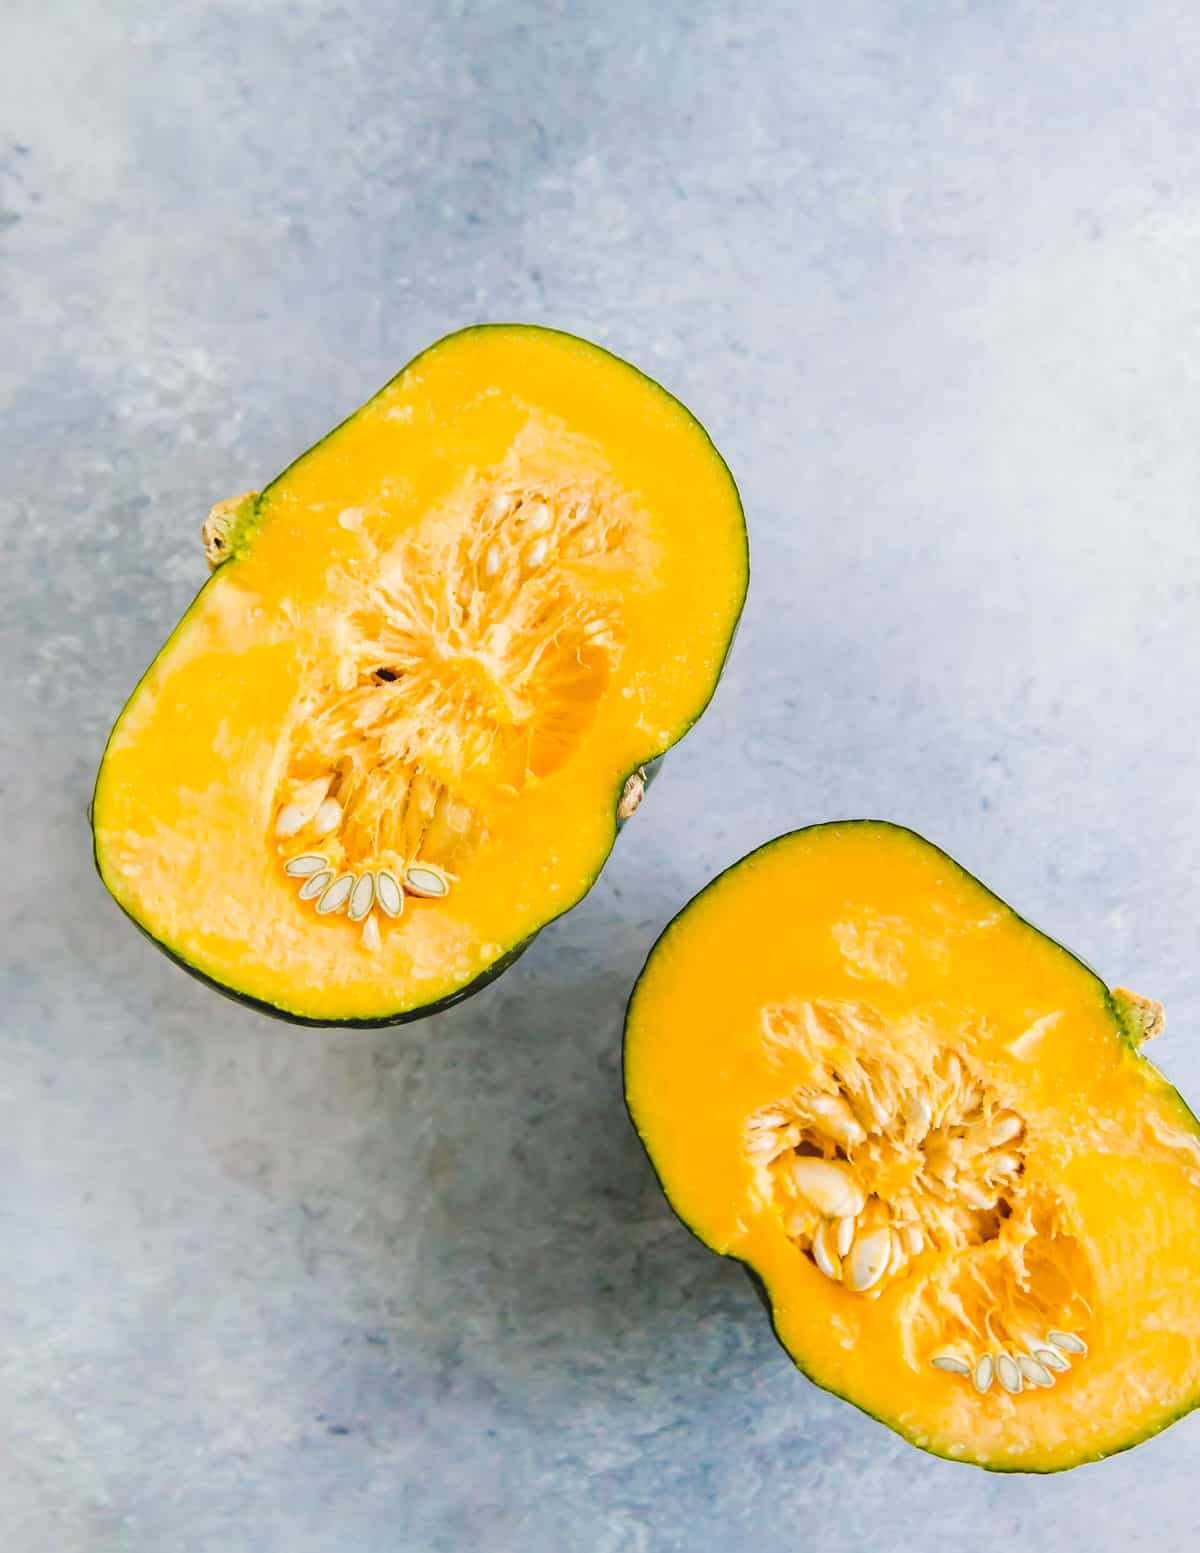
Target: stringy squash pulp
(972, 1206)
(388, 741)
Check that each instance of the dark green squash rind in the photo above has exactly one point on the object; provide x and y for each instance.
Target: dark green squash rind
(240, 535)
(1123, 1031)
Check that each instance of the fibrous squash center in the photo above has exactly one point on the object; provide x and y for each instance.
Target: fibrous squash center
(466, 666)
(895, 1161)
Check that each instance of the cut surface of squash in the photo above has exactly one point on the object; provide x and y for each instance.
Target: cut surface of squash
(971, 1205)
(388, 741)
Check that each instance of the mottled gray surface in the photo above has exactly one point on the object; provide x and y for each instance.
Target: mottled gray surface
(929, 274)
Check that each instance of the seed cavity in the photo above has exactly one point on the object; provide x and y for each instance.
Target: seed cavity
(388, 893)
(421, 879)
(304, 865)
(877, 1158)
(924, 1146)
(926, 1151)
(458, 672)
(336, 895)
(362, 898)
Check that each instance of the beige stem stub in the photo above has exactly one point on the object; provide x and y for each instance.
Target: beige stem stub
(632, 794)
(218, 527)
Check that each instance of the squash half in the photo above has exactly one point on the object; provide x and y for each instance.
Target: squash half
(394, 734)
(972, 1206)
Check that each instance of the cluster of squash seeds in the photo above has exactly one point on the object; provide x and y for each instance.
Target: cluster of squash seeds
(856, 1241)
(1038, 1367)
(358, 894)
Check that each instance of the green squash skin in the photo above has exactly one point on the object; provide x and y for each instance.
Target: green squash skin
(241, 531)
(1124, 1031)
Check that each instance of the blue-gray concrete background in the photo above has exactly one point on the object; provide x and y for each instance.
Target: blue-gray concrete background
(929, 274)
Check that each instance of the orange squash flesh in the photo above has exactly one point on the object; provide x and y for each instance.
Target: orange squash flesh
(855, 964)
(503, 585)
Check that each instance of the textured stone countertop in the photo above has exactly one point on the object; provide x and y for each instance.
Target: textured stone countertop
(928, 273)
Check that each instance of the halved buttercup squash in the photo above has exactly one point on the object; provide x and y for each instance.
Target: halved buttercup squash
(394, 734)
(972, 1206)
